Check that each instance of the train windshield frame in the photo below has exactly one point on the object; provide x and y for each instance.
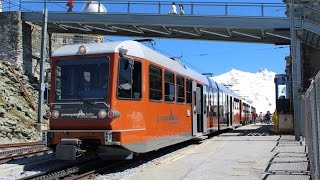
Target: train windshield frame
(85, 78)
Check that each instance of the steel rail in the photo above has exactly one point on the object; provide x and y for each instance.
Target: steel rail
(22, 150)
(28, 154)
(69, 170)
(2, 146)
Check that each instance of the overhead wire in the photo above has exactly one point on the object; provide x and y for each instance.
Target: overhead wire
(57, 4)
(20, 5)
(190, 65)
(170, 55)
(14, 4)
(162, 51)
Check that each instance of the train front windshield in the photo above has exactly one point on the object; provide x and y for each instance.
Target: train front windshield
(82, 78)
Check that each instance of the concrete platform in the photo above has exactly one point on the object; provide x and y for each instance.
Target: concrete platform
(248, 152)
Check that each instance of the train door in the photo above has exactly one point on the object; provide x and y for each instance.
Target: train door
(241, 112)
(199, 107)
(194, 108)
(205, 109)
(231, 111)
(227, 110)
(218, 109)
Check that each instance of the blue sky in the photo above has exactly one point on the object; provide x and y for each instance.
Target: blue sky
(216, 57)
(224, 56)
(219, 57)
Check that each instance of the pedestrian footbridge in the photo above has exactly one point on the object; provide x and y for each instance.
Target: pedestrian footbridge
(222, 21)
(224, 28)
(237, 22)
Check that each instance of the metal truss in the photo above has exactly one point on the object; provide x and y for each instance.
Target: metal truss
(220, 28)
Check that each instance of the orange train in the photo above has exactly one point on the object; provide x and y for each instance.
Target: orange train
(120, 98)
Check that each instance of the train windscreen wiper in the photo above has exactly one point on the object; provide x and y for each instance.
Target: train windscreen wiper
(85, 100)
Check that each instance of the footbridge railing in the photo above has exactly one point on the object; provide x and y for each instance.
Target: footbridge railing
(310, 14)
(153, 7)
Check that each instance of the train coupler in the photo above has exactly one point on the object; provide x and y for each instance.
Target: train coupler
(68, 149)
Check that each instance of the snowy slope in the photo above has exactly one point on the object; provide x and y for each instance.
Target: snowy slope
(256, 87)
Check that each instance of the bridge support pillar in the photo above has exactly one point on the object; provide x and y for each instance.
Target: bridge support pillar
(296, 70)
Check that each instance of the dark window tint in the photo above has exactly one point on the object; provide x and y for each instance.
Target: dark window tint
(215, 101)
(189, 91)
(129, 79)
(169, 87)
(155, 83)
(85, 78)
(180, 89)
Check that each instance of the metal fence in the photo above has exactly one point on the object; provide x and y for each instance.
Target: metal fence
(155, 7)
(310, 111)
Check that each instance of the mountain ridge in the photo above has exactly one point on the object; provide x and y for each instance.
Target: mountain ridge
(258, 88)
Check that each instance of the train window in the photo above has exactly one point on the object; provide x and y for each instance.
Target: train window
(155, 83)
(205, 102)
(236, 103)
(210, 98)
(85, 78)
(180, 89)
(282, 91)
(215, 102)
(129, 79)
(169, 87)
(189, 91)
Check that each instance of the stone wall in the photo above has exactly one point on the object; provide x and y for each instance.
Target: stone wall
(19, 43)
(32, 49)
(11, 38)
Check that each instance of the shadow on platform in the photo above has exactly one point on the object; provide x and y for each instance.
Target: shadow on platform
(290, 160)
(257, 130)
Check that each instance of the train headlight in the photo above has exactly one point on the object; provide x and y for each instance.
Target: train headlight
(55, 114)
(102, 114)
(113, 114)
(110, 114)
(48, 114)
(82, 49)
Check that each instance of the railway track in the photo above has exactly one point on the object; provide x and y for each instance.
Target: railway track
(76, 170)
(91, 167)
(88, 168)
(21, 150)
(5, 146)
(118, 166)
(82, 170)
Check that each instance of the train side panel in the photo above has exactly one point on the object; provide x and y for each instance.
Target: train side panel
(122, 103)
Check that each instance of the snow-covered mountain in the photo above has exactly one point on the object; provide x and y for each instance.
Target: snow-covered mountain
(256, 87)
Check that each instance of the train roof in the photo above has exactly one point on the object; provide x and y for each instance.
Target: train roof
(228, 91)
(135, 49)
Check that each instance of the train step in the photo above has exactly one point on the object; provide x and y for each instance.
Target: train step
(200, 138)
